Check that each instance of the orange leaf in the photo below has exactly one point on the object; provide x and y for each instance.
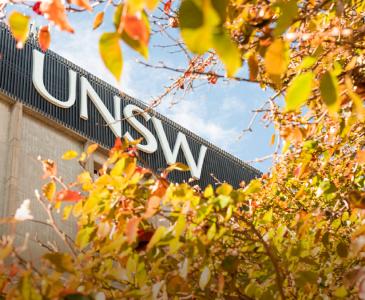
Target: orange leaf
(160, 187)
(82, 3)
(44, 38)
(98, 20)
(152, 206)
(91, 149)
(49, 168)
(68, 195)
(136, 28)
(54, 10)
(131, 229)
(360, 157)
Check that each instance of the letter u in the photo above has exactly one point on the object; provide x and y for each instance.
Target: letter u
(37, 77)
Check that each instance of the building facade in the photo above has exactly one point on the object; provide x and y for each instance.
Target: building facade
(49, 105)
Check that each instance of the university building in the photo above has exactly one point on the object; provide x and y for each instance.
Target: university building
(49, 105)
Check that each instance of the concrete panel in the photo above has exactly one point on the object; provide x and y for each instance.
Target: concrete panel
(4, 128)
(40, 139)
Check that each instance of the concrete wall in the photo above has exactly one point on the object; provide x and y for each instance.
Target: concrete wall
(24, 136)
(4, 128)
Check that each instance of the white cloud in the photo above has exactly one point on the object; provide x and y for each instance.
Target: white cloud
(196, 115)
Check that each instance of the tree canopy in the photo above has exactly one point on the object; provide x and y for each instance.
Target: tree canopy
(295, 233)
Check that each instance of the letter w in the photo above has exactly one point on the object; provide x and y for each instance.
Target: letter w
(171, 156)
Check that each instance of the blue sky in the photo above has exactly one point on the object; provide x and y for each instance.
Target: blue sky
(217, 113)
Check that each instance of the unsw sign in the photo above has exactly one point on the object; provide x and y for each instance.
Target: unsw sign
(114, 121)
(77, 100)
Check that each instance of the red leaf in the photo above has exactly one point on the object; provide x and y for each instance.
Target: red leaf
(167, 7)
(132, 229)
(144, 238)
(212, 78)
(68, 195)
(36, 8)
(136, 28)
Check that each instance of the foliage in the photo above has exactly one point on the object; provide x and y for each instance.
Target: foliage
(296, 233)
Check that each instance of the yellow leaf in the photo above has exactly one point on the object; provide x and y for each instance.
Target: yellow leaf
(177, 166)
(157, 236)
(84, 178)
(151, 4)
(71, 154)
(44, 38)
(99, 18)
(91, 149)
(49, 190)
(19, 27)
(111, 53)
(277, 58)
(66, 212)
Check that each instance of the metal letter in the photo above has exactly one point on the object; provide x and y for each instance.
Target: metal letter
(181, 141)
(151, 143)
(113, 122)
(37, 77)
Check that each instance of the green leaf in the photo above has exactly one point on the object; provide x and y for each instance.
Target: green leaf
(83, 236)
(254, 186)
(230, 263)
(304, 277)
(289, 11)
(340, 292)
(61, 261)
(329, 91)
(28, 292)
(342, 249)
(224, 189)
(212, 231)
(267, 218)
(277, 58)
(208, 192)
(307, 62)
(190, 15)
(204, 278)
(111, 53)
(228, 52)
(180, 225)
(19, 27)
(299, 91)
(220, 6)
(157, 236)
(198, 25)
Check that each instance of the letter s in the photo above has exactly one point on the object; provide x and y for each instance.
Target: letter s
(151, 142)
